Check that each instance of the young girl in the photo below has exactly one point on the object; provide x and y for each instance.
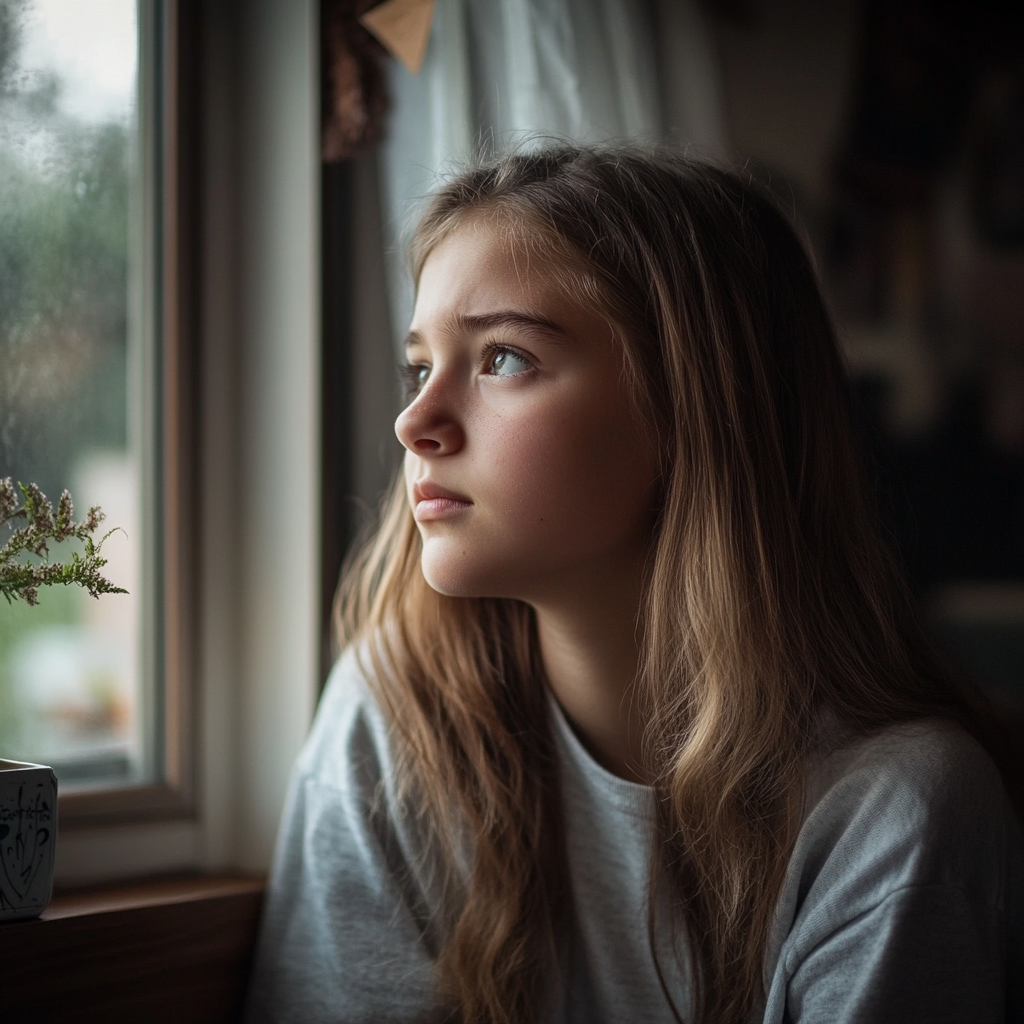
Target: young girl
(634, 722)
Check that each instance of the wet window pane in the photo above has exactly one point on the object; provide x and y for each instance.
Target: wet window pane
(70, 667)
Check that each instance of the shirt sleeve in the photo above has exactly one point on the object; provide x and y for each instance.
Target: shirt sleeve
(904, 897)
(926, 954)
(346, 934)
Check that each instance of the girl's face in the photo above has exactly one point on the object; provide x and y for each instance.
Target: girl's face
(527, 468)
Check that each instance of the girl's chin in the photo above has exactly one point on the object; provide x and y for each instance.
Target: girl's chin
(458, 577)
(456, 585)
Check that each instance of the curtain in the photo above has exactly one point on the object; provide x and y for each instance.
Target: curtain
(505, 73)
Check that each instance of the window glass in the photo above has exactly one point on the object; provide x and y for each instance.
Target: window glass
(70, 667)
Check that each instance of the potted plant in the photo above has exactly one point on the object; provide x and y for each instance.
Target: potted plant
(28, 792)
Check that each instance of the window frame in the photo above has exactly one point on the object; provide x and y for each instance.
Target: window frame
(169, 157)
(247, 491)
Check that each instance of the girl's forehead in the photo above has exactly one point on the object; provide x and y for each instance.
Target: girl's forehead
(488, 255)
(481, 261)
(517, 236)
(480, 274)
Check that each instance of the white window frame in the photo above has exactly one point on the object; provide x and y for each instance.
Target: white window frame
(241, 335)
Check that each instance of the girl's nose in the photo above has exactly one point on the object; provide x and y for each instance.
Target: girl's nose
(427, 426)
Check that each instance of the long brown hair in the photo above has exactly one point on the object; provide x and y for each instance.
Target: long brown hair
(772, 604)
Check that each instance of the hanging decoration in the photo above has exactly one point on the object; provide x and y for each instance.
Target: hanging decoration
(403, 27)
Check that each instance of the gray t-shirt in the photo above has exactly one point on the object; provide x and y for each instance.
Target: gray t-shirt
(903, 901)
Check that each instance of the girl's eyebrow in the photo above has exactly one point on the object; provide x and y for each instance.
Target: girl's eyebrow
(477, 323)
(507, 318)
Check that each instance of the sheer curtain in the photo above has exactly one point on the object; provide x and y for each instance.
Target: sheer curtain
(501, 73)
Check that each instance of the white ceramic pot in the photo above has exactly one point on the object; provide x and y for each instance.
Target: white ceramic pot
(28, 838)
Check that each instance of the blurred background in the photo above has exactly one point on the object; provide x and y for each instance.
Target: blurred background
(69, 668)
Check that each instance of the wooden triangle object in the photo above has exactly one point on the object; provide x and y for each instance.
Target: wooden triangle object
(403, 27)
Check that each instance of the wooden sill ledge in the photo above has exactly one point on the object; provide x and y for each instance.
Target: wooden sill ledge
(174, 950)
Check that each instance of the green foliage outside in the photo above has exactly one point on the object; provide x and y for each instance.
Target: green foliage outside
(64, 228)
(63, 276)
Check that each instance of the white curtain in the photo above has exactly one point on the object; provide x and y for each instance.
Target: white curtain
(499, 73)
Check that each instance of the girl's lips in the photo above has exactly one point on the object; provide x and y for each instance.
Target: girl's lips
(433, 502)
(430, 509)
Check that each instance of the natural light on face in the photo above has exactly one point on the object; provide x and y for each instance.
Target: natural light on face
(527, 467)
(69, 668)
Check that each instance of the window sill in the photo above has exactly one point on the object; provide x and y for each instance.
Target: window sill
(169, 950)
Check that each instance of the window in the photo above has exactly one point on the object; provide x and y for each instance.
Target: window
(222, 273)
(93, 380)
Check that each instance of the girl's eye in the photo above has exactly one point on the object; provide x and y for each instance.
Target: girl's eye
(505, 362)
(414, 376)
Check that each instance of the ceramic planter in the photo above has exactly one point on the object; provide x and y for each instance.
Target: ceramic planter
(28, 838)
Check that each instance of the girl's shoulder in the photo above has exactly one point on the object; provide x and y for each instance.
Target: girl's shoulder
(930, 768)
(350, 734)
(915, 804)
(905, 888)
(354, 887)
(909, 845)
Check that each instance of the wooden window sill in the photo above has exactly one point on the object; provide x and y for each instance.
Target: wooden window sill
(169, 950)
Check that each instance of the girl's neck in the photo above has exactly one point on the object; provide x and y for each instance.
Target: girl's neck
(590, 652)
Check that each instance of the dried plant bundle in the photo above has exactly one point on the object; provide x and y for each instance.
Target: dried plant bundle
(21, 578)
